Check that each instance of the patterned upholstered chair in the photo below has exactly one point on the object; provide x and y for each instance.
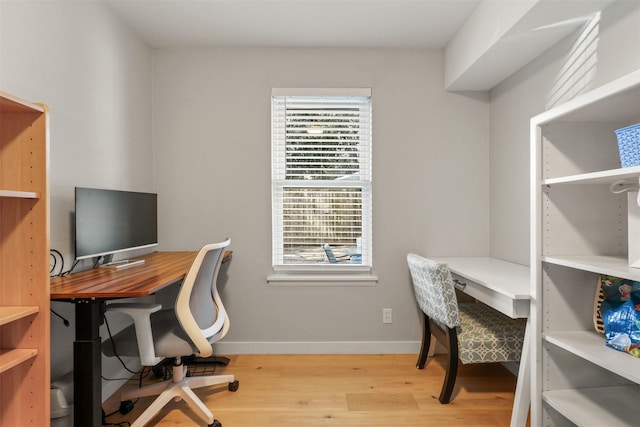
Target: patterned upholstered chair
(471, 332)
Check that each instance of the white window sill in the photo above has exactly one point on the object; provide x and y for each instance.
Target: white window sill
(314, 277)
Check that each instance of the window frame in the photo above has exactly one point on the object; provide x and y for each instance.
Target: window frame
(287, 274)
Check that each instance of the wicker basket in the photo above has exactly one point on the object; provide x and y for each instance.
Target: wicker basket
(629, 145)
(598, 323)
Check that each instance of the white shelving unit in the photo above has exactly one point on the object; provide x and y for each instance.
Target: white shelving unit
(579, 230)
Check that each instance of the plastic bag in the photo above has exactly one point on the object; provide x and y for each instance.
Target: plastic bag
(620, 311)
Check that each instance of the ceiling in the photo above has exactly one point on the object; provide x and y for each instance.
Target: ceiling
(484, 41)
(296, 23)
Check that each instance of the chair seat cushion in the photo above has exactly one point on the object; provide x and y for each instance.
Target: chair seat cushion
(486, 335)
(169, 339)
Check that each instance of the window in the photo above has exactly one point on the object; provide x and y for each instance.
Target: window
(321, 179)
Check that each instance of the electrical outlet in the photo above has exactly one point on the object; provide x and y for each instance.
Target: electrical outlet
(386, 315)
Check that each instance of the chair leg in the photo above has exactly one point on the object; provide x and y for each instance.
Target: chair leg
(170, 393)
(150, 390)
(178, 388)
(207, 381)
(452, 366)
(426, 342)
(196, 404)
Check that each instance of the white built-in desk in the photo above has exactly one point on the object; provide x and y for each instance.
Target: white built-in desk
(506, 287)
(502, 285)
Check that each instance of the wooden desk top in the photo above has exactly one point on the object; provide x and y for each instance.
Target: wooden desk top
(159, 270)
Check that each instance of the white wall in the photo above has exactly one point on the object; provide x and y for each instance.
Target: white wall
(94, 74)
(212, 141)
(209, 159)
(213, 167)
(577, 64)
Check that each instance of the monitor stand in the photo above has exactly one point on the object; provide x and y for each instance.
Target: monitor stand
(120, 264)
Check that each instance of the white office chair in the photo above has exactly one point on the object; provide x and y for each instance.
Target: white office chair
(471, 332)
(196, 322)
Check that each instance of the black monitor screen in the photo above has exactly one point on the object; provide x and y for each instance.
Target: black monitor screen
(109, 221)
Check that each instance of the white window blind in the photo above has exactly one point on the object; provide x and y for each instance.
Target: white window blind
(321, 177)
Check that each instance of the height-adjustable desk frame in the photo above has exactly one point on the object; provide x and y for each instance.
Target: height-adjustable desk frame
(89, 290)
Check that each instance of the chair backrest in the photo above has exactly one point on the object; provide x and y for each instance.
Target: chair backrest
(330, 256)
(199, 308)
(434, 289)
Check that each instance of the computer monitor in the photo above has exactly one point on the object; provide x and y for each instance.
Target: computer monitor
(112, 221)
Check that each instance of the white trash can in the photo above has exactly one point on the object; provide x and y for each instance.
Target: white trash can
(62, 401)
(61, 411)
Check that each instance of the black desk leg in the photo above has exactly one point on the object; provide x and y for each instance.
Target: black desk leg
(87, 365)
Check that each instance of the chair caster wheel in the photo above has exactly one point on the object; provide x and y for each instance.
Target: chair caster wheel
(215, 423)
(234, 385)
(126, 406)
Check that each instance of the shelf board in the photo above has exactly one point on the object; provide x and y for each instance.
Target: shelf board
(603, 406)
(612, 265)
(617, 100)
(590, 346)
(13, 104)
(10, 358)
(19, 194)
(11, 313)
(602, 177)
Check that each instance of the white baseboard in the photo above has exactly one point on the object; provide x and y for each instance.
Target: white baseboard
(317, 347)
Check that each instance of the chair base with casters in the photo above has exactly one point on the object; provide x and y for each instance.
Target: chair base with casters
(179, 387)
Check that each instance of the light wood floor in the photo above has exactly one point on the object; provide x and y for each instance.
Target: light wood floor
(344, 390)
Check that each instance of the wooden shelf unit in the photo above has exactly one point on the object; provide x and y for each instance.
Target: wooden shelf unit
(24, 257)
(579, 231)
